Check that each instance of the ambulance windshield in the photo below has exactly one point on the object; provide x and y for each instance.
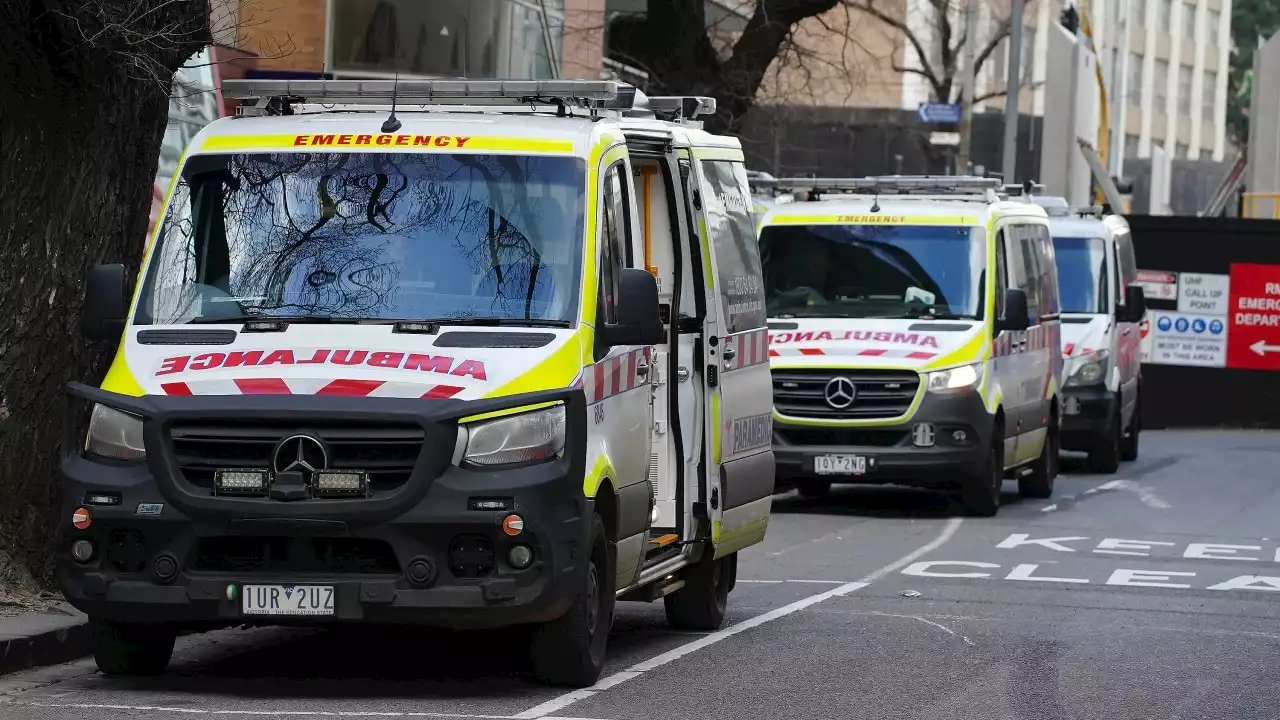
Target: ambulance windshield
(1082, 274)
(874, 271)
(369, 236)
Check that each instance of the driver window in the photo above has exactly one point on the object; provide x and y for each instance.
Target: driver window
(1002, 274)
(613, 238)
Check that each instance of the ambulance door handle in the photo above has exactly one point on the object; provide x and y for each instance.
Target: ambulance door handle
(642, 369)
(682, 374)
(730, 353)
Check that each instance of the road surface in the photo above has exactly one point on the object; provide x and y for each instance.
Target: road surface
(1153, 593)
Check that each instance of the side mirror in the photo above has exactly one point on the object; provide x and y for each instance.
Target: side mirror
(1135, 303)
(639, 317)
(1016, 314)
(106, 303)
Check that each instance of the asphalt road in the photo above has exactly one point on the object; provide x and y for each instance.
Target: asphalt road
(1153, 593)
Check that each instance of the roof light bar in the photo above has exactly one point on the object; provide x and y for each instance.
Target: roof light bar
(959, 184)
(1020, 189)
(594, 94)
(681, 107)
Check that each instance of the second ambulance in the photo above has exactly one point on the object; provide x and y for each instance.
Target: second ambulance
(914, 338)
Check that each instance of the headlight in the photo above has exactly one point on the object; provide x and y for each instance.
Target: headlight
(113, 434)
(957, 379)
(1087, 369)
(525, 438)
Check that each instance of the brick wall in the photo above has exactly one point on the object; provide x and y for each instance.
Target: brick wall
(285, 34)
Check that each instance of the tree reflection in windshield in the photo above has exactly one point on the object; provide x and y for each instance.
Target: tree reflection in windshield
(873, 270)
(369, 236)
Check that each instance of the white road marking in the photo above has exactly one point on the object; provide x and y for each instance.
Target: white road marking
(938, 625)
(261, 713)
(1049, 508)
(544, 710)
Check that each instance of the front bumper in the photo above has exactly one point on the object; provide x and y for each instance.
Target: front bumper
(962, 430)
(1086, 415)
(371, 550)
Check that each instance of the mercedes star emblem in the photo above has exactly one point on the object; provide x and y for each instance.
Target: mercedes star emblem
(300, 453)
(840, 392)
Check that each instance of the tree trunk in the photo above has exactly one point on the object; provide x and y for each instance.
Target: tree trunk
(80, 136)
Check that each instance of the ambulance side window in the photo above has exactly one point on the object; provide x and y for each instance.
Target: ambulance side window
(726, 201)
(613, 239)
(1002, 275)
(1049, 300)
(1030, 276)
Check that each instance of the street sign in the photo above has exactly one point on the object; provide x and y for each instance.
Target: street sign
(1185, 339)
(1201, 293)
(944, 138)
(1254, 340)
(941, 113)
(1158, 285)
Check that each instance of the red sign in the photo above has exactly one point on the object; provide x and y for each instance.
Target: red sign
(1253, 337)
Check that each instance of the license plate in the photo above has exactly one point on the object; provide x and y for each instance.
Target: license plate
(287, 600)
(840, 464)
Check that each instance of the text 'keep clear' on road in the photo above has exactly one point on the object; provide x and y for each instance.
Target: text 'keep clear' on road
(1218, 576)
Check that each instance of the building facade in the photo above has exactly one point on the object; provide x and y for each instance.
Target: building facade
(1164, 65)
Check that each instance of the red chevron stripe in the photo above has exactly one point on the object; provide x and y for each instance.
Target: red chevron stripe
(350, 388)
(440, 392)
(263, 386)
(176, 388)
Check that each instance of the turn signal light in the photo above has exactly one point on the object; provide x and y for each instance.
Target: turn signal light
(513, 525)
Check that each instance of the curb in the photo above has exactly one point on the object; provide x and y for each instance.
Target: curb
(36, 639)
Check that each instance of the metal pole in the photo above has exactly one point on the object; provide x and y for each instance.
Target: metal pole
(969, 83)
(1074, 93)
(1120, 102)
(1013, 88)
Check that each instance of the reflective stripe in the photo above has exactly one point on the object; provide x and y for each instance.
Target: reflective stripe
(490, 143)
(852, 352)
(614, 376)
(308, 386)
(872, 219)
(750, 348)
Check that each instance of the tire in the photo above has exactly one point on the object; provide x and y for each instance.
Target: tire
(1129, 441)
(813, 488)
(700, 604)
(570, 650)
(1104, 458)
(124, 649)
(1039, 484)
(981, 493)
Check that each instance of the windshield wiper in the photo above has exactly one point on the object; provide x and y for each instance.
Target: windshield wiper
(488, 322)
(285, 319)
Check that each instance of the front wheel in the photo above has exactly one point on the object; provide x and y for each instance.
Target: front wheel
(1105, 456)
(126, 649)
(1129, 443)
(981, 492)
(1039, 483)
(701, 603)
(570, 650)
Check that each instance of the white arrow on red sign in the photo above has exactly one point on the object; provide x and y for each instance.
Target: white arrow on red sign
(1262, 348)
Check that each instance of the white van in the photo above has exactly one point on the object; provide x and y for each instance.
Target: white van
(1102, 308)
(496, 357)
(913, 336)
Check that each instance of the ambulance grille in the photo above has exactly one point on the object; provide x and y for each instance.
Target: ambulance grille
(879, 393)
(387, 451)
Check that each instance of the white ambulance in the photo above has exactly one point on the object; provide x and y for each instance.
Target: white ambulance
(461, 353)
(1102, 308)
(913, 330)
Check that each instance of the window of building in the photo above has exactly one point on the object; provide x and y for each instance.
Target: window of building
(1165, 20)
(473, 38)
(1184, 89)
(1159, 85)
(1189, 21)
(1139, 12)
(1208, 94)
(1180, 151)
(1134, 80)
(1028, 54)
(1214, 17)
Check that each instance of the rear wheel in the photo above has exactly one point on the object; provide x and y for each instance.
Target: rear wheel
(1105, 456)
(701, 603)
(981, 492)
(570, 650)
(1129, 443)
(1039, 484)
(813, 488)
(127, 649)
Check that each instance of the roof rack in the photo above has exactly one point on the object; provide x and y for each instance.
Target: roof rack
(276, 97)
(948, 187)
